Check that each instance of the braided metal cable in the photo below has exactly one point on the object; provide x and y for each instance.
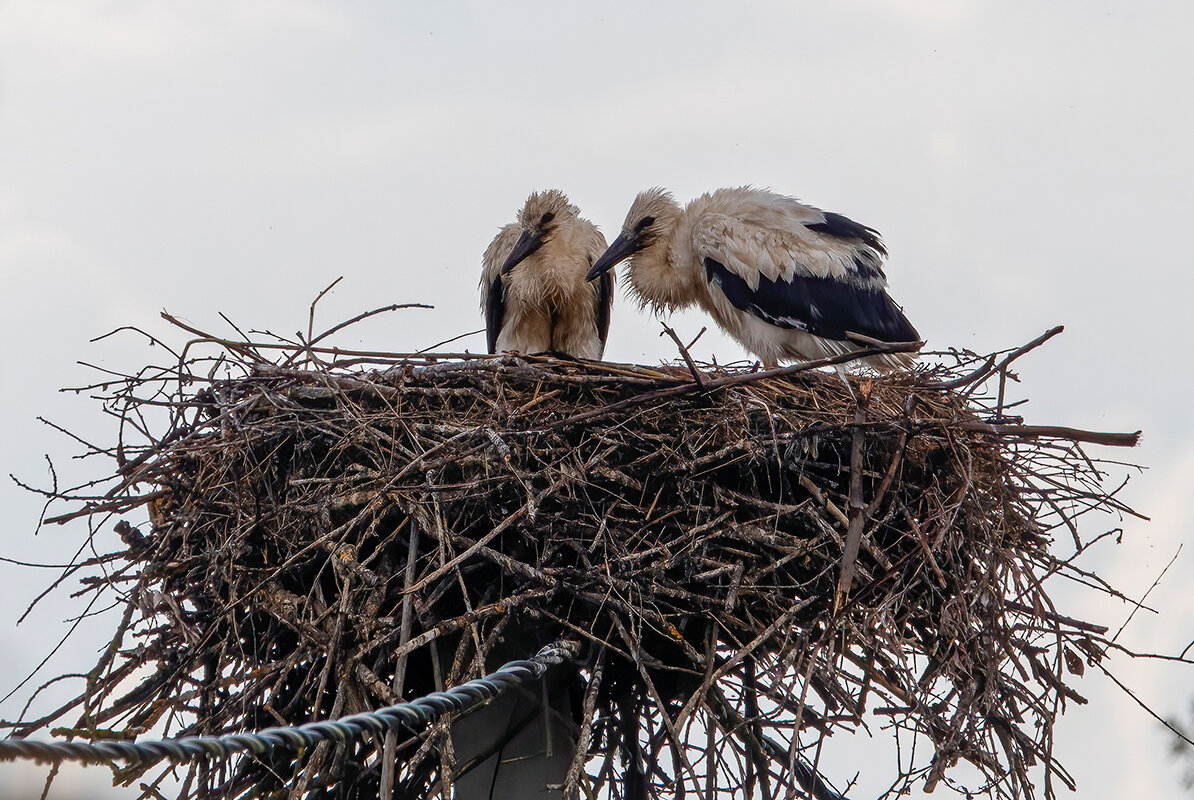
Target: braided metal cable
(414, 715)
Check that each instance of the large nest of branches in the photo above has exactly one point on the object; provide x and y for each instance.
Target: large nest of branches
(752, 561)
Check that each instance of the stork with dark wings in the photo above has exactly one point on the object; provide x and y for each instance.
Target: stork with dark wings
(785, 279)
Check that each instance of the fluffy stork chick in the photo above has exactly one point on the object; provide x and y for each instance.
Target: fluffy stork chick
(787, 280)
(534, 289)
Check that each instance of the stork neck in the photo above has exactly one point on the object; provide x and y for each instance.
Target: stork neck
(659, 279)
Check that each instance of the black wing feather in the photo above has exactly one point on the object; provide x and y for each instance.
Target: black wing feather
(822, 306)
(842, 227)
(495, 310)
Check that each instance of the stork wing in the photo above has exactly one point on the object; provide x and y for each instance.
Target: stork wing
(493, 291)
(824, 277)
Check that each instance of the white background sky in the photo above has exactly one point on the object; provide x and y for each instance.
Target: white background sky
(1029, 164)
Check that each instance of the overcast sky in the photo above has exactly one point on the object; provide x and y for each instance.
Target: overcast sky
(1028, 163)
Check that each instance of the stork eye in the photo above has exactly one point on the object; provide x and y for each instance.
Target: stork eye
(643, 224)
(548, 217)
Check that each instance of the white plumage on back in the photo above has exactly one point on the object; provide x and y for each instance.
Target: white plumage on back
(785, 279)
(533, 288)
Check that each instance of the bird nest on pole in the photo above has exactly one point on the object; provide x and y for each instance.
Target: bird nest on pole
(753, 561)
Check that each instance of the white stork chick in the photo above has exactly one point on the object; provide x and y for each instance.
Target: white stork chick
(787, 280)
(534, 290)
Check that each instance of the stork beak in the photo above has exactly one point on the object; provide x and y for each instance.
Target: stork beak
(527, 243)
(622, 248)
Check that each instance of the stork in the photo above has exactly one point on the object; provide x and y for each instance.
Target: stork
(786, 280)
(534, 290)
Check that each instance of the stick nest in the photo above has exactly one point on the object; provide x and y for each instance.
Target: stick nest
(753, 564)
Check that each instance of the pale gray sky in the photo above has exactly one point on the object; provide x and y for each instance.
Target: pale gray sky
(1028, 163)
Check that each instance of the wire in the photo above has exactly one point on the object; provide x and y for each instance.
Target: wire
(414, 715)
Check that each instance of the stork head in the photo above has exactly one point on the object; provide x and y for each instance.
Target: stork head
(648, 223)
(540, 218)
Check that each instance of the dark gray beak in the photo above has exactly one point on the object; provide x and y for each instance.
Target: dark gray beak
(527, 243)
(622, 248)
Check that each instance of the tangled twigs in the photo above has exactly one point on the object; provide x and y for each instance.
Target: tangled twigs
(754, 560)
(990, 367)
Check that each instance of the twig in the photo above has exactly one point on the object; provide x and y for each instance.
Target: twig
(408, 578)
(692, 367)
(1154, 585)
(858, 510)
(1054, 431)
(365, 315)
(584, 740)
(991, 367)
